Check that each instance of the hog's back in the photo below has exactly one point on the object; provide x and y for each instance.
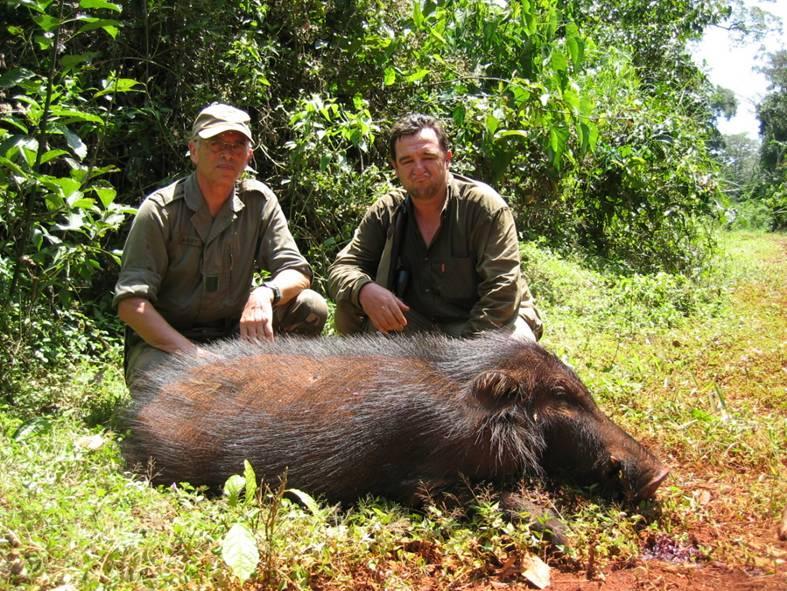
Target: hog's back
(340, 426)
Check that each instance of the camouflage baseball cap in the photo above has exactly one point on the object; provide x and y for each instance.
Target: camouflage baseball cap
(218, 118)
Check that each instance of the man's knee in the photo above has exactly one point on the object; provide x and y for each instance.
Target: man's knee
(140, 360)
(305, 315)
(348, 319)
(522, 330)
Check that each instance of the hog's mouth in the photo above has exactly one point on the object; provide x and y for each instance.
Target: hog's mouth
(627, 473)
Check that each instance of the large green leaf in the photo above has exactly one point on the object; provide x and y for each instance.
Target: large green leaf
(76, 114)
(419, 74)
(251, 482)
(233, 487)
(46, 22)
(114, 85)
(100, 4)
(307, 500)
(52, 154)
(63, 186)
(418, 15)
(75, 143)
(71, 61)
(108, 25)
(558, 138)
(14, 76)
(74, 222)
(239, 551)
(105, 194)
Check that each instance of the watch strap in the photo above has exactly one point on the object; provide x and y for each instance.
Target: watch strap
(276, 292)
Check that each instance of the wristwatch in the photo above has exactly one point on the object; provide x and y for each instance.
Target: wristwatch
(276, 292)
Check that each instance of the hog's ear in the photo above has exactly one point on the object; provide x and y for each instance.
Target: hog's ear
(494, 387)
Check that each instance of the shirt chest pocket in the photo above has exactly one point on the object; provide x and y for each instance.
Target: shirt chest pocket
(185, 258)
(223, 268)
(455, 279)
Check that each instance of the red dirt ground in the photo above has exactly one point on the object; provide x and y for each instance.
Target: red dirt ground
(769, 574)
(641, 575)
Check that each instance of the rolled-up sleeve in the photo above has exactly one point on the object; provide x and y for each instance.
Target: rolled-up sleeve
(498, 266)
(277, 248)
(144, 261)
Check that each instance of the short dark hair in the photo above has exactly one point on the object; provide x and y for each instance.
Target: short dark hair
(410, 125)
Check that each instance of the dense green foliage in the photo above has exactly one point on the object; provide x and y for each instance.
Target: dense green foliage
(589, 118)
(59, 214)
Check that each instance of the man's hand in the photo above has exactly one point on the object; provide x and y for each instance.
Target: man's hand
(256, 321)
(384, 309)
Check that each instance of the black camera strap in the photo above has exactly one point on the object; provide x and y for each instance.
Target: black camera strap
(397, 275)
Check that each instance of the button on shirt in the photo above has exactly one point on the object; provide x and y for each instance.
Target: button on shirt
(443, 285)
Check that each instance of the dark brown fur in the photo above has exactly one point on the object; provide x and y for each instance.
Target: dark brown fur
(382, 416)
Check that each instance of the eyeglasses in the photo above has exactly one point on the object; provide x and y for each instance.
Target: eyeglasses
(236, 149)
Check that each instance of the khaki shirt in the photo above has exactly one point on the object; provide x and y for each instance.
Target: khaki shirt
(469, 278)
(198, 270)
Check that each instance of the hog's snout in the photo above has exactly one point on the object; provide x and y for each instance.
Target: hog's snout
(634, 472)
(639, 480)
(648, 490)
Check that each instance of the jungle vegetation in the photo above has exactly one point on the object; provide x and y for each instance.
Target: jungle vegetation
(590, 118)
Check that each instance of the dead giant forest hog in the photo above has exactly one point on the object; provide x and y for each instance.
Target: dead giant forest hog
(381, 415)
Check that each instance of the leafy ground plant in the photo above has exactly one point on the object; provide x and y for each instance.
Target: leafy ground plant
(704, 386)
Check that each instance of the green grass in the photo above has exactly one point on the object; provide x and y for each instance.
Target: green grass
(695, 370)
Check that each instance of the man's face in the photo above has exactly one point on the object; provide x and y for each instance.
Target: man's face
(222, 158)
(422, 165)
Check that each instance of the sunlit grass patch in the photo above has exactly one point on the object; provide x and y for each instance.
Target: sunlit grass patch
(79, 518)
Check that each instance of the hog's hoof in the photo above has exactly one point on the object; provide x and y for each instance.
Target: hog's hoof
(519, 508)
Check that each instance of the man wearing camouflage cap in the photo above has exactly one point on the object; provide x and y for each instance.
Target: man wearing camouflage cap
(195, 255)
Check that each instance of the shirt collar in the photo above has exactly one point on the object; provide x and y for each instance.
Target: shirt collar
(195, 201)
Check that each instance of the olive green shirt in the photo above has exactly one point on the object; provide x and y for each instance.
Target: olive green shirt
(198, 270)
(469, 276)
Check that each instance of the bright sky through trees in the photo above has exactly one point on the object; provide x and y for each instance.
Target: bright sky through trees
(732, 66)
